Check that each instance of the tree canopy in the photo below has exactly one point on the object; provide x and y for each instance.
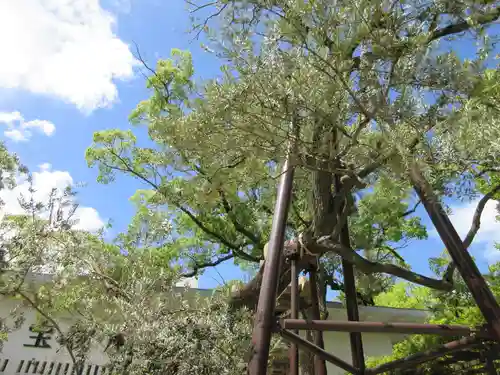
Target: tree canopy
(375, 96)
(371, 89)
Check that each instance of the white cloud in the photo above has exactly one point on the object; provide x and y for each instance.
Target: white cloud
(65, 48)
(489, 232)
(43, 182)
(8, 117)
(122, 6)
(20, 130)
(45, 166)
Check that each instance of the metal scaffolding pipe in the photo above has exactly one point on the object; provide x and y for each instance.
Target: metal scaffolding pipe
(264, 320)
(293, 354)
(416, 359)
(409, 328)
(319, 362)
(292, 337)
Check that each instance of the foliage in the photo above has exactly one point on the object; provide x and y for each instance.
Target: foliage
(9, 166)
(365, 94)
(457, 307)
(121, 293)
(372, 89)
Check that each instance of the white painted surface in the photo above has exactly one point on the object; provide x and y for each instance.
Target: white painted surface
(18, 358)
(374, 344)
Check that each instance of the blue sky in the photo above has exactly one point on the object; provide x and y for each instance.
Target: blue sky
(70, 72)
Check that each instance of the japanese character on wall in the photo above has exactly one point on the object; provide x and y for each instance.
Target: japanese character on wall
(41, 336)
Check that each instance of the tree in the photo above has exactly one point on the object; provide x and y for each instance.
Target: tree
(9, 167)
(121, 293)
(457, 307)
(372, 92)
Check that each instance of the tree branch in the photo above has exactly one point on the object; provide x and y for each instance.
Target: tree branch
(201, 27)
(256, 240)
(296, 212)
(412, 211)
(326, 244)
(464, 26)
(116, 286)
(53, 322)
(475, 226)
(236, 249)
(200, 266)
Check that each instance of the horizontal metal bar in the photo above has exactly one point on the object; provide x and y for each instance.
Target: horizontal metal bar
(316, 350)
(343, 326)
(418, 358)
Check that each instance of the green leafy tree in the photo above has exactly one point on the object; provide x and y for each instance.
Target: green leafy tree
(372, 91)
(119, 294)
(457, 307)
(9, 167)
(375, 101)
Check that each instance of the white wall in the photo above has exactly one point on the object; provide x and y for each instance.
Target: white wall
(16, 358)
(374, 344)
(338, 344)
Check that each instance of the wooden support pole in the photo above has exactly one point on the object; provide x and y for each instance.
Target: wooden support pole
(319, 362)
(465, 264)
(357, 353)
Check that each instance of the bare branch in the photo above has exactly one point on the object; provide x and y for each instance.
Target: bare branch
(201, 27)
(325, 244)
(200, 266)
(138, 56)
(196, 8)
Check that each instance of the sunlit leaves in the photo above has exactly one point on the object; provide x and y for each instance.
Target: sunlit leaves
(382, 217)
(457, 307)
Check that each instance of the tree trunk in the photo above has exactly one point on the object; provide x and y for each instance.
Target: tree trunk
(323, 206)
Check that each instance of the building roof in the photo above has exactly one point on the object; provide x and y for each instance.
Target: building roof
(336, 309)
